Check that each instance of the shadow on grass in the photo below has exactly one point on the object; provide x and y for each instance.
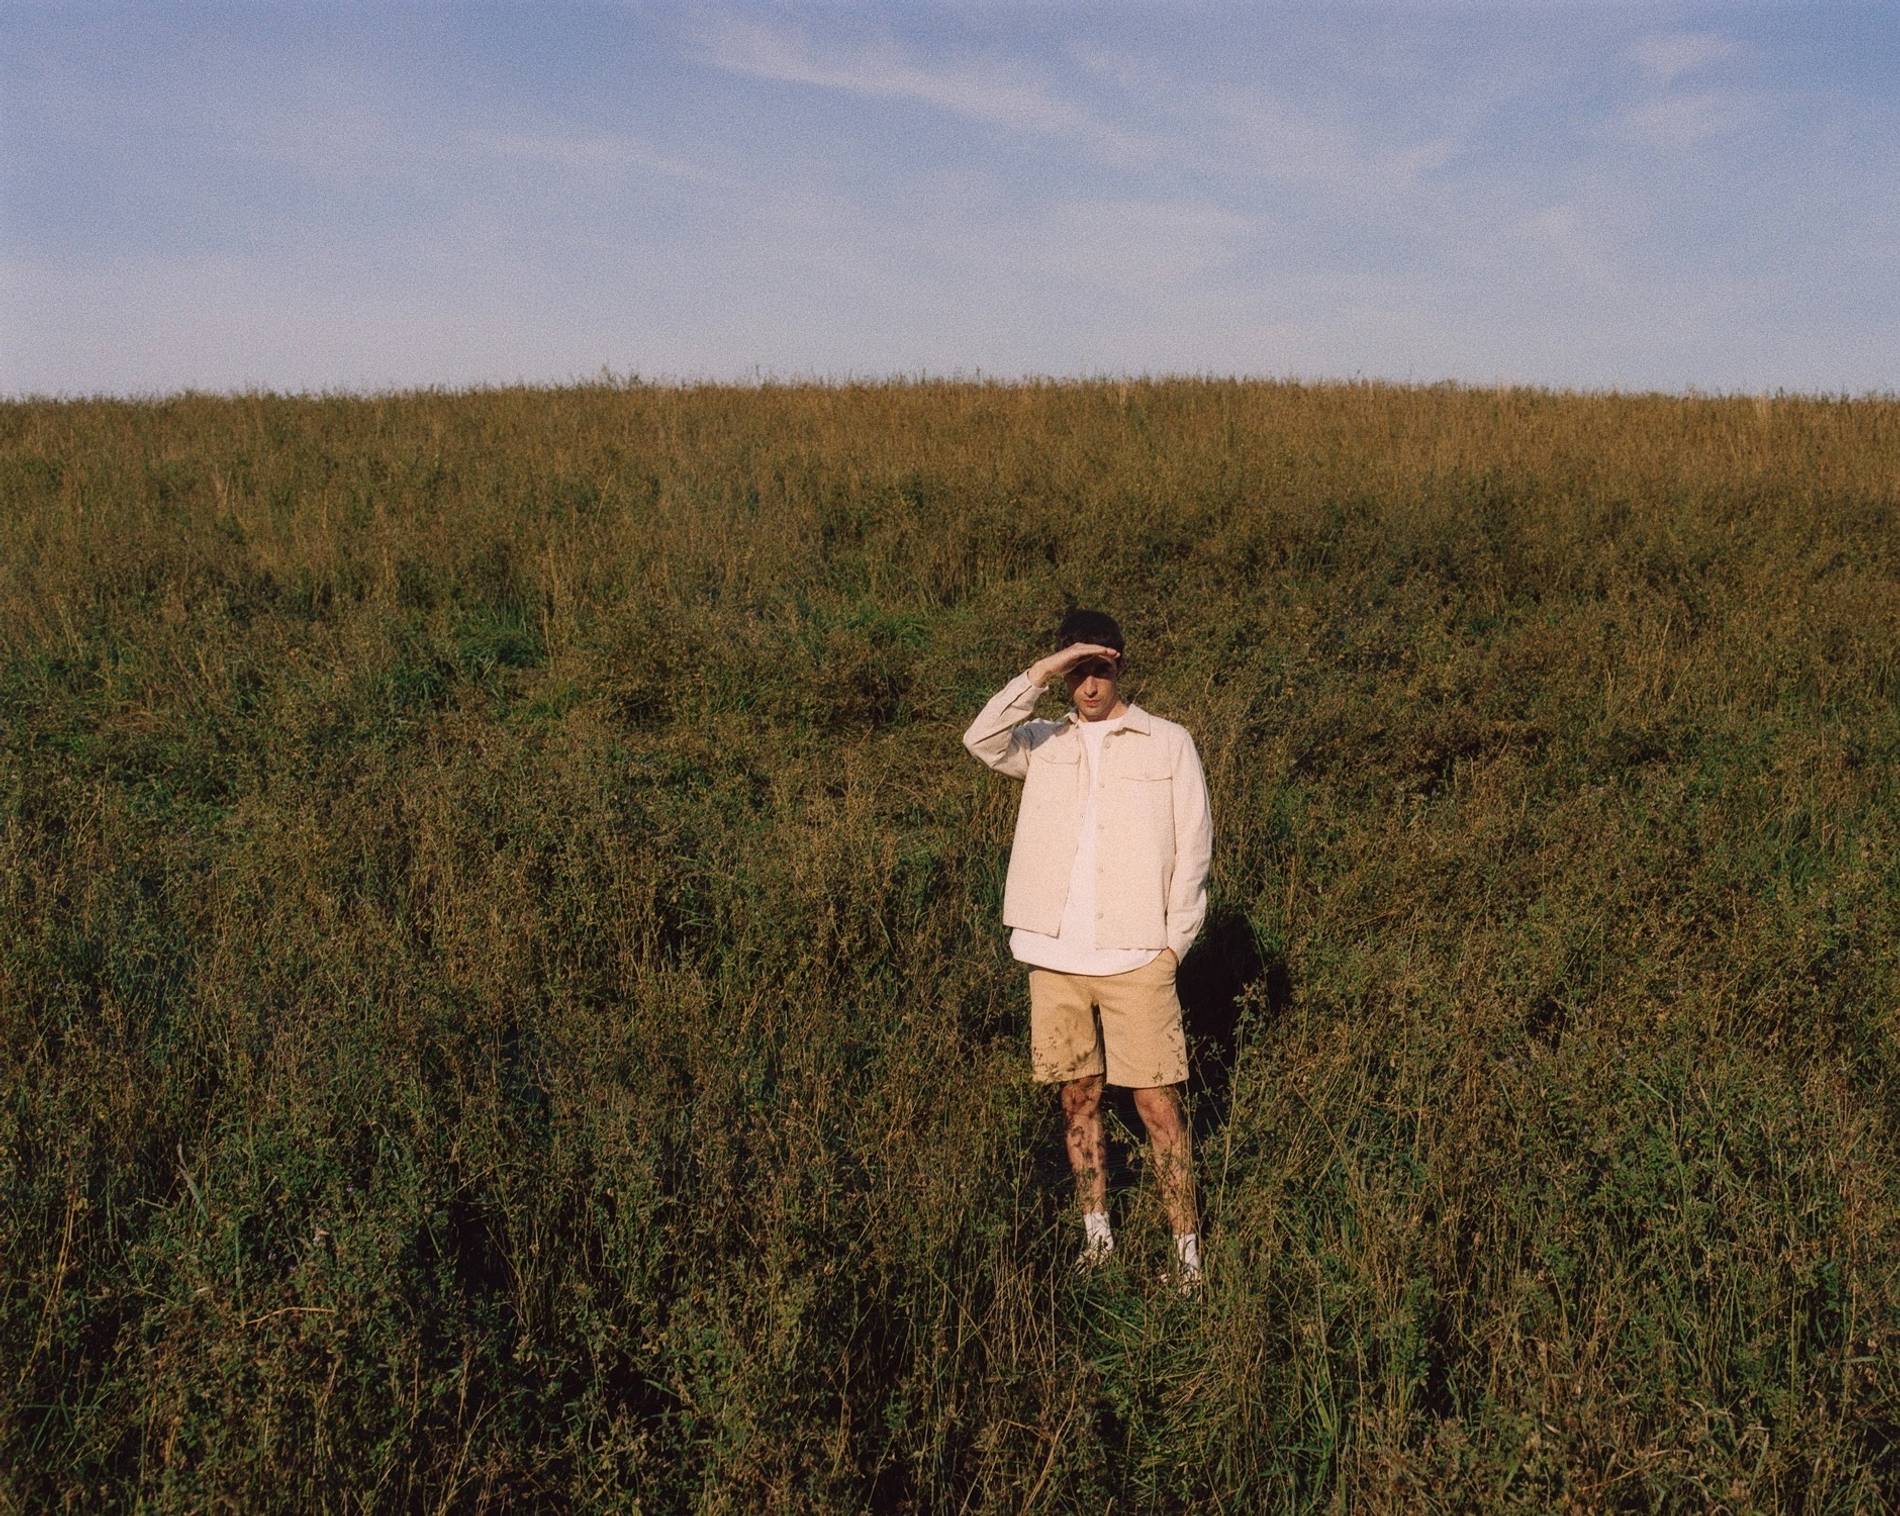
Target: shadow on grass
(1222, 967)
(1214, 984)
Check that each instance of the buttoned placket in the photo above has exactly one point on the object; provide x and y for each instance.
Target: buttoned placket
(1091, 786)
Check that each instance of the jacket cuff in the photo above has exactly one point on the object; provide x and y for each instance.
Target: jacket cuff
(1024, 691)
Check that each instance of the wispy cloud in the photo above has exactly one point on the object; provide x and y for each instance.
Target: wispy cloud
(1666, 56)
(1675, 121)
(1572, 245)
(1287, 143)
(1229, 128)
(977, 89)
(383, 195)
(1137, 245)
(591, 152)
(1130, 70)
(1678, 122)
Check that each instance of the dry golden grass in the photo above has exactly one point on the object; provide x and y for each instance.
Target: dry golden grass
(503, 998)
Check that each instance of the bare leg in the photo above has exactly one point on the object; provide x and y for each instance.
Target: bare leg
(1172, 1145)
(1088, 1148)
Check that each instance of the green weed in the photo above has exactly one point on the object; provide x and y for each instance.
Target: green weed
(502, 1000)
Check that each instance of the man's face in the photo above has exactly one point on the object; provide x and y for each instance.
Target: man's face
(1093, 687)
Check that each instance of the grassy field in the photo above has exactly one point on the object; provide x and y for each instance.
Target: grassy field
(502, 998)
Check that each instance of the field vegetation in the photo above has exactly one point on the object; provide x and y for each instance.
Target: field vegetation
(502, 1000)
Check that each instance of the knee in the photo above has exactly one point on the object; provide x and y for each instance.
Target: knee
(1160, 1110)
(1080, 1097)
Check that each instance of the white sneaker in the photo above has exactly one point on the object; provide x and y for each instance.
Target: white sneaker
(1186, 1280)
(1093, 1256)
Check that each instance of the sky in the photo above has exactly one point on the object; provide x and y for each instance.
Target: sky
(386, 195)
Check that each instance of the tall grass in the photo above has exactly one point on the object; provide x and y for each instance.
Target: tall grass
(502, 997)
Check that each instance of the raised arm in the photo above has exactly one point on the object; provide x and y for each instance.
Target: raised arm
(1003, 734)
(1000, 735)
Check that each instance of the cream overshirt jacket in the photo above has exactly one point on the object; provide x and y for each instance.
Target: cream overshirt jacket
(1154, 837)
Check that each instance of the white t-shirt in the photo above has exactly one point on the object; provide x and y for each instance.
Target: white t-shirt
(1072, 950)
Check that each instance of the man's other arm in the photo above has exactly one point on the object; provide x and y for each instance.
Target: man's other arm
(1000, 735)
(1193, 851)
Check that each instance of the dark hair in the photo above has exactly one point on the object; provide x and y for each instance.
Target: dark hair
(1089, 626)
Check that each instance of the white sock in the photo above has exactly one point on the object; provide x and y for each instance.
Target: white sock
(1095, 1223)
(1187, 1246)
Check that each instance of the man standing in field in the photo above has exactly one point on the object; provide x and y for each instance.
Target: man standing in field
(1107, 887)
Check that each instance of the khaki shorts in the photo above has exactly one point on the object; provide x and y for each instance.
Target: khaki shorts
(1137, 1041)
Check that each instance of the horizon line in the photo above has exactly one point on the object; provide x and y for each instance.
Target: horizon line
(761, 381)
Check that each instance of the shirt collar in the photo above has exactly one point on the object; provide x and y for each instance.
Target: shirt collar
(1134, 719)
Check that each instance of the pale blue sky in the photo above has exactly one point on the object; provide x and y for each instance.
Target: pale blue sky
(1640, 196)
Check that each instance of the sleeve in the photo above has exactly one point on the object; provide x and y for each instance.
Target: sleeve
(1193, 850)
(999, 736)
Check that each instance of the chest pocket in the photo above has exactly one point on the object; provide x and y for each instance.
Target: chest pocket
(1141, 796)
(1144, 796)
(1049, 784)
(1138, 763)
